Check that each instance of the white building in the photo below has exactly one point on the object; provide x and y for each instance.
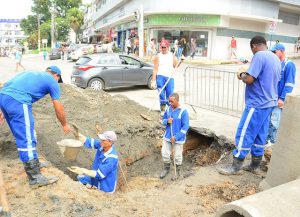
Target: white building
(10, 33)
(211, 23)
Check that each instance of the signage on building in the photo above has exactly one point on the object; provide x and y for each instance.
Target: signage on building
(184, 20)
(272, 26)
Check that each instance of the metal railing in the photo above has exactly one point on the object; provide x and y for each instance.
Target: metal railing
(214, 89)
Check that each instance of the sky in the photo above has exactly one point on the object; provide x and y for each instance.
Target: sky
(17, 9)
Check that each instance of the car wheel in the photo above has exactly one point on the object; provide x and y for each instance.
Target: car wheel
(96, 84)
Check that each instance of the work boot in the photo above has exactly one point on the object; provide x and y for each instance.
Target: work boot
(165, 171)
(254, 166)
(36, 179)
(178, 174)
(234, 169)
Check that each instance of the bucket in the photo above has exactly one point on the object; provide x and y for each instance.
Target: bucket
(69, 148)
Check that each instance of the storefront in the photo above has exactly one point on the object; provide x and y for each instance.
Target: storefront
(184, 28)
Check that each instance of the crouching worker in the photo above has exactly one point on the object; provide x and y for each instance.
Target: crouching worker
(176, 120)
(103, 174)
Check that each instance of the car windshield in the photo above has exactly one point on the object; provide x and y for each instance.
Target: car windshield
(83, 60)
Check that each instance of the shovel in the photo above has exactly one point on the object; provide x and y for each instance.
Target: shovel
(4, 207)
(146, 115)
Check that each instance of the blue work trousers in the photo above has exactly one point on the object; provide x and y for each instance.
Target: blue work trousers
(274, 124)
(20, 120)
(167, 91)
(252, 132)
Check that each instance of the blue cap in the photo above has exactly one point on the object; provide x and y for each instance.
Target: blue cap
(55, 69)
(278, 47)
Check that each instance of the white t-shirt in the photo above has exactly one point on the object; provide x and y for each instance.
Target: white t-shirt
(165, 65)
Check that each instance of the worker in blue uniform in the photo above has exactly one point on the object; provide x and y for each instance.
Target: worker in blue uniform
(104, 172)
(16, 99)
(261, 97)
(285, 86)
(176, 121)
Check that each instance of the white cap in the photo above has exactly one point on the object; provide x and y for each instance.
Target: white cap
(108, 135)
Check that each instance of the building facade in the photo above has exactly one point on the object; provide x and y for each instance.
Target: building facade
(210, 23)
(10, 33)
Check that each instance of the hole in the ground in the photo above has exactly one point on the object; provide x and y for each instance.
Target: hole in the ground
(198, 151)
(231, 213)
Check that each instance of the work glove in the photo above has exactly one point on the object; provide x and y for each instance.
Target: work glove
(153, 84)
(240, 72)
(82, 171)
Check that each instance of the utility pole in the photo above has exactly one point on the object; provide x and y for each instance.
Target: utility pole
(39, 32)
(141, 32)
(53, 40)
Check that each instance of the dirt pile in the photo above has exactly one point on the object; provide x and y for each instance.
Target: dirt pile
(212, 196)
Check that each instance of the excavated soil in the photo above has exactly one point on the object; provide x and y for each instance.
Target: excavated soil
(141, 193)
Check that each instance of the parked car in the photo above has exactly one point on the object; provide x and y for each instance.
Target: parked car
(104, 71)
(81, 51)
(54, 54)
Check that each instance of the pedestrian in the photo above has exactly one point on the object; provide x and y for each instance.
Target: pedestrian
(18, 57)
(176, 121)
(128, 45)
(62, 52)
(261, 97)
(136, 46)
(103, 174)
(45, 55)
(164, 64)
(285, 85)
(16, 99)
(193, 47)
(151, 48)
(233, 47)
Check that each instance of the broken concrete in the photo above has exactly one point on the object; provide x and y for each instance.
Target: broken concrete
(283, 200)
(285, 162)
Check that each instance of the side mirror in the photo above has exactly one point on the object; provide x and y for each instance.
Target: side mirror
(141, 65)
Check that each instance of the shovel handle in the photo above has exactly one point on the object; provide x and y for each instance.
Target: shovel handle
(3, 197)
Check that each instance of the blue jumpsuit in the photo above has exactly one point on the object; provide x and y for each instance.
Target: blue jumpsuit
(285, 85)
(260, 98)
(16, 99)
(106, 166)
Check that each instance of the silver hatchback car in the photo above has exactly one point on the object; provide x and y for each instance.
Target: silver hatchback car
(104, 71)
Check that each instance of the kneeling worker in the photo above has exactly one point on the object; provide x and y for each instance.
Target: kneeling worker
(103, 174)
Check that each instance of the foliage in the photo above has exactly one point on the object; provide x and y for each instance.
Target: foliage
(30, 24)
(43, 8)
(75, 18)
(63, 6)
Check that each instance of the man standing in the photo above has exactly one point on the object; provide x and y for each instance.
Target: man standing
(176, 120)
(233, 47)
(164, 64)
(285, 85)
(16, 99)
(18, 56)
(104, 172)
(261, 97)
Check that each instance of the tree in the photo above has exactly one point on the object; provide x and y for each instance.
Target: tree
(75, 19)
(42, 7)
(62, 29)
(62, 6)
(30, 24)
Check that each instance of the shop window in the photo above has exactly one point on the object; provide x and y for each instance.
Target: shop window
(289, 18)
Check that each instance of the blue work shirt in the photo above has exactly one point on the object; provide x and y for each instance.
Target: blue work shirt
(18, 55)
(28, 87)
(106, 166)
(180, 124)
(265, 67)
(287, 81)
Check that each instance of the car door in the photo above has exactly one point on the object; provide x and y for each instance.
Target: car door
(132, 72)
(110, 70)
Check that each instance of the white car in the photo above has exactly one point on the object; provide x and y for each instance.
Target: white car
(81, 51)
